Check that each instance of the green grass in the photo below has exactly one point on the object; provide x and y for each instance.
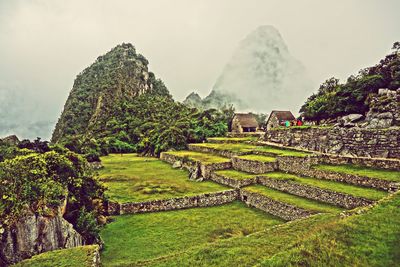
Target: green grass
(199, 156)
(133, 238)
(258, 158)
(130, 178)
(389, 175)
(72, 257)
(237, 175)
(371, 238)
(282, 151)
(249, 250)
(357, 191)
(228, 147)
(234, 139)
(300, 202)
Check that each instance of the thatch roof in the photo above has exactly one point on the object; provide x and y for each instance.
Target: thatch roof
(247, 120)
(282, 115)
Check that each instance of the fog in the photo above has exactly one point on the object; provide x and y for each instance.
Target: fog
(45, 44)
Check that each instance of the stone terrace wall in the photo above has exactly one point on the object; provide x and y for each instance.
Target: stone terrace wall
(205, 169)
(378, 143)
(222, 153)
(312, 192)
(389, 164)
(279, 209)
(203, 200)
(235, 183)
(252, 166)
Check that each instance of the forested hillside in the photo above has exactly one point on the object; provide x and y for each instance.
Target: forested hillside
(335, 99)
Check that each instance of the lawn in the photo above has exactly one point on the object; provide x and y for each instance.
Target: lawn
(73, 257)
(300, 202)
(354, 190)
(389, 175)
(237, 175)
(141, 237)
(130, 178)
(258, 158)
(282, 151)
(204, 158)
(371, 238)
(238, 148)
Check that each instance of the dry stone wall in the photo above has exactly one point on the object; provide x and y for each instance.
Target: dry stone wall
(235, 183)
(203, 200)
(252, 166)
(205, 169)
(210, 150)
(312, 192)
(378, 143)
(277, 208)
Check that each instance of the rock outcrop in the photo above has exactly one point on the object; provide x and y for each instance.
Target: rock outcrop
(33, 234)
(10, 140)
(384, 109)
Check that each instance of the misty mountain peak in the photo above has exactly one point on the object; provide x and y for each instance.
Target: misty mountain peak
(263, 75)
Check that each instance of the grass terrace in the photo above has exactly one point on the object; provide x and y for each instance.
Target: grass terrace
(237, 175)
(304, 203)
(72, 257)
(199, 156)
(282, 151)
(233, 139)
(258, 158)
(156, 235)
(354, 190)
(130, 178)
(228, 147)
(389, 175)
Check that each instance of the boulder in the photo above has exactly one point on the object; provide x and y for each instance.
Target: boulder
(350, 120)
(177, 164)
(32, 234)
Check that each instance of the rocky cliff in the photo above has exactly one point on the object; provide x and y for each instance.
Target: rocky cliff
(261, 76)
(33, 234)
(118, 76)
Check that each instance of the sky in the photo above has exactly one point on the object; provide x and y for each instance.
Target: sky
(44, 44)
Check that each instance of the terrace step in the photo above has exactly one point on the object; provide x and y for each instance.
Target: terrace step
(283, 205)
(255, 164)
(234, 178)
(231, 140)
(388, 180)
(224, 150)
(335, 193)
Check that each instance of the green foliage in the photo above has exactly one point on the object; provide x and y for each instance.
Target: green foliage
(334, 99)
(87, 225)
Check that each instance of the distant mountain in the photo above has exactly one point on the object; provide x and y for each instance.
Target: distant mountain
(193, 100)
(116, 77)
(261, 76)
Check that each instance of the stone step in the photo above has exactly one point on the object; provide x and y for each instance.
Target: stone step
(223, 150)
(283, 205)
(231, 140)
(336, 193)
(255, 164)
(234, 178)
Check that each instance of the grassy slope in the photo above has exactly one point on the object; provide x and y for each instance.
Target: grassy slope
(73, 257)
(362, 171)
(237, 175)
(357, 191)
(157, 234)
(258, 158)
(247, 251)
(368, 239)
(198, 156)
(130, 178)
(300, 202)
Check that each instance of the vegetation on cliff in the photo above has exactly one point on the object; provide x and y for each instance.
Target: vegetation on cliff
(335, 99)
(118, 106)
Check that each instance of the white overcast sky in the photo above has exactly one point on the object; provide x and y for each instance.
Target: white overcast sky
(45, 44)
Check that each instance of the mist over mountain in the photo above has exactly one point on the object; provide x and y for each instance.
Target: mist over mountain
(261, 76)
(20, 115)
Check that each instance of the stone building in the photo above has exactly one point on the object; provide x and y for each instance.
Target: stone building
(243, 123)
(278, 118)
